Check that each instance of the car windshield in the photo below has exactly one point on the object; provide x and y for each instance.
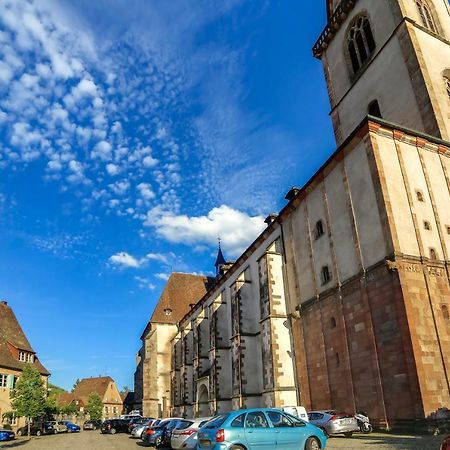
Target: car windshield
(183, 424)
(216, 422)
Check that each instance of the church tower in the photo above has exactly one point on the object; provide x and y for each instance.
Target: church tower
(390, 59)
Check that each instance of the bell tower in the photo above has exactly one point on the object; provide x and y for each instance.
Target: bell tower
(390, 59)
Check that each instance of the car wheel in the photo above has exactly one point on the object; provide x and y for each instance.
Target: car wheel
(112, 431)
(55, 431)
(158, 442)
(236, 447)
(348, 435)
(312, 444)
(19, 432)
(38, 432)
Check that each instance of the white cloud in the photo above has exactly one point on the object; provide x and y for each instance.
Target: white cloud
(124, 259)
(162, 276)
(236, 229)
(145, 191)
(112, 169)
(102, 151)
(144, 283)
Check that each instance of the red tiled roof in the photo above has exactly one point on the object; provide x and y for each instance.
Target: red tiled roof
(87, 386)
(12, 337)
(181, 291)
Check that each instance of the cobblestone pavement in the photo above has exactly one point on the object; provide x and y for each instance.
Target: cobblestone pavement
(93, 440)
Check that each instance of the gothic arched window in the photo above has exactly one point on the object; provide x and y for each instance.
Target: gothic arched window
(361, 42)
(426, 16)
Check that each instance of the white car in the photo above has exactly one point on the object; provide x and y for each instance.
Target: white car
(185, 434)
(139, 429)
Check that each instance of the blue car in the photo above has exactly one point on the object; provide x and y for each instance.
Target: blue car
(71, 427)
(258, 429)
(6, 435)
(159, 436)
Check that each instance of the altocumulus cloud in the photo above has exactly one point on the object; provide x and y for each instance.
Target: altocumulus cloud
(234, 227)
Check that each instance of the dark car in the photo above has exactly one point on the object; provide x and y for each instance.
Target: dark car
(160, 435)
(92, 425)
(446, 444)
(36, 429)
(113, 426)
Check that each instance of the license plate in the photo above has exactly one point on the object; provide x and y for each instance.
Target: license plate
(205, 442)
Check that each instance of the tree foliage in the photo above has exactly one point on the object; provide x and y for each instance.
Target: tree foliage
(94, 406)
(70, 409)
(28, 396)
(77, 382)
(55, 390)
(51, 406)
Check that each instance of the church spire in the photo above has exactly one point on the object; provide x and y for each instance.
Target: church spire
(220, 260)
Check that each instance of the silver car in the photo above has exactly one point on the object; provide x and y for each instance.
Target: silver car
(139, 429)
(334, 422)
(185, 434)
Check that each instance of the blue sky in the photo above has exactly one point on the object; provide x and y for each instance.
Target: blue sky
(132, 134)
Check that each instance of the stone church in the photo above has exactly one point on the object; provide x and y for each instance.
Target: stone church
(344, 300)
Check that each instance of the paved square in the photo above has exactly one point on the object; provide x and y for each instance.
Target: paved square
(93, 440)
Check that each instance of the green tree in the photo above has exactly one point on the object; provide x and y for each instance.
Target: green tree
(70, 409)
(77, 382)
(28, 396)
(51, 406)
(95, 406)
(55, 390)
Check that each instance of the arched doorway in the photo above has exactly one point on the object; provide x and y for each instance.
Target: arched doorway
(203, 401)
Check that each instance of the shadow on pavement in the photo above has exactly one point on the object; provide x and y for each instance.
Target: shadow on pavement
(13, 444)
(396, 442)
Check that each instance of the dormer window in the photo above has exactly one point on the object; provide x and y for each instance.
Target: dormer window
(168, 312)
(361, 43)
(26, 357)
(426, 16)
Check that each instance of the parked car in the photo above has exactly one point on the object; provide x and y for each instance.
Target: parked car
(138, 430)
(71, 427)
(6, 435)
(137, 421)
(58, 426)
(259, 428)
(92, 425)
(297, 411)
(113, 426)
(187, 430)
(446, 444)
(334, 422)
(160, 435)
(36, 429)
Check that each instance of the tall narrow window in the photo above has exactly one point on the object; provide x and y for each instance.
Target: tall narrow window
(326, 275)
(426, 16)
(361, 42)
(445, 312)
(374, 109)
(433, 254)
(319, 229)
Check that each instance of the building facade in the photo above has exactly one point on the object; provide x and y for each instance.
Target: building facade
(105, 387)
(15, 353)
(152, 376)
(344, 300)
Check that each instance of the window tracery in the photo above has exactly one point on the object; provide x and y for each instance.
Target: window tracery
(361, 43)
(426, 16)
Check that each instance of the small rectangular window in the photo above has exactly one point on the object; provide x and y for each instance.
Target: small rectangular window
(3, 380)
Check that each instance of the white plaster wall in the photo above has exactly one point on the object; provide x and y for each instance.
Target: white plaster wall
(340, 216)
(368, 223)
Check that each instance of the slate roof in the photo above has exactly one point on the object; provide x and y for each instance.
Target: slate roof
(181, 291)
(11, 334)
(89, 385)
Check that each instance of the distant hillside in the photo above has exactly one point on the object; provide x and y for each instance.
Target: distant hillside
(55, 390)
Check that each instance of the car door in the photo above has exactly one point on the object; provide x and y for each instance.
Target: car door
(258, 431)
(290, 433)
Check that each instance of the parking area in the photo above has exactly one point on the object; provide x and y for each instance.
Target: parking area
(93, 440)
